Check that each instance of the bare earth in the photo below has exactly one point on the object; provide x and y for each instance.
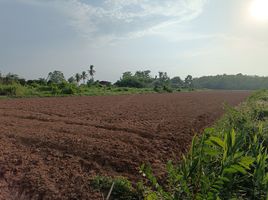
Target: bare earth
(50, 148)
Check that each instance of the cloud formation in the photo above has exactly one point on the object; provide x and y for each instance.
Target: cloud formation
(123, 19)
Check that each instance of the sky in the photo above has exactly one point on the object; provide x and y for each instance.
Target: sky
(180, 37)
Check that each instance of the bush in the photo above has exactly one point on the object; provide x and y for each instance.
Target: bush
(131, 82)
(55, 90)
(7, 90)
(12, 90)
(69, 89)
(167, 89)
(157, 89)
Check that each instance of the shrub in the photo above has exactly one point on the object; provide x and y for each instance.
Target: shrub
(12, 90)
(55, 90)
(216, 168)
(157, 89)
(7, 90)
(131, 82)
(69, 89)
(167, 89)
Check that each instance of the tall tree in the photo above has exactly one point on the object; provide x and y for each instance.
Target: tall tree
(78, 77)
(127, 75)
(91, 72)
(84, 76)
(188, 81)
(176, 82)
(55, 77)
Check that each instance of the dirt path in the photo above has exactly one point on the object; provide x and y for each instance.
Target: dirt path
(50, 148)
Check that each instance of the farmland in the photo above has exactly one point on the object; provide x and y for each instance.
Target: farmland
(53, 147)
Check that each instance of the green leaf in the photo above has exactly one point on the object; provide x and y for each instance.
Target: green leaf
(246, 162)
(151, 196)
(217, 141)
(225, 179)
(233, 137)
(211, 151)
(229, 170)
(239, 169)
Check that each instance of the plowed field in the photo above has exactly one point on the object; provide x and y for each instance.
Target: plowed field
(50, 148)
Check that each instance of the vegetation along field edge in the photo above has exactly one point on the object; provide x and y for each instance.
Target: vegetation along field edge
(84, 84)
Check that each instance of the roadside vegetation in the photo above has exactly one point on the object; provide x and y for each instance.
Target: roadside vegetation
(228, 161)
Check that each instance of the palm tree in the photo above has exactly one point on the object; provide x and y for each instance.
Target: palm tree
(71, 79)
(78, 77)
(84, 76)
(91, 72)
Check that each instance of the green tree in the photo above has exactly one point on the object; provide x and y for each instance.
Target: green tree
(78, 78)
(176, 82)
(188, 81)
(163, 78)
(92, 72)
(71, 79)
(84, 76)
(127, 75)
(55, 77)
(11, 78)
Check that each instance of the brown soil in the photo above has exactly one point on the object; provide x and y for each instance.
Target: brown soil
(50, 148)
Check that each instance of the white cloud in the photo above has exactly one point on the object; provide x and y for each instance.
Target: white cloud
(109, 20)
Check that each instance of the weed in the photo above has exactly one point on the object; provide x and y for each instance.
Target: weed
(122, 190)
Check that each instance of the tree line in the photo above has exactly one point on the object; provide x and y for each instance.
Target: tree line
(231, 82)
(55, 77)
(144, 79)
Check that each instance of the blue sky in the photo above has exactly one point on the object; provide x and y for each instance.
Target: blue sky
(181, 37)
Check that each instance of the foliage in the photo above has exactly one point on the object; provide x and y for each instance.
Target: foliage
(77, 78)
(233, 82)
(229, 161)
(91, 72)
(141, 79)
(55, 77)
(188, 82)
(176, 82)
(132, 82)
(71, 79)
(12, 90)
(84, 76)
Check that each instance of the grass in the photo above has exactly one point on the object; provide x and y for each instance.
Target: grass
(228, 161)
(122, 190)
